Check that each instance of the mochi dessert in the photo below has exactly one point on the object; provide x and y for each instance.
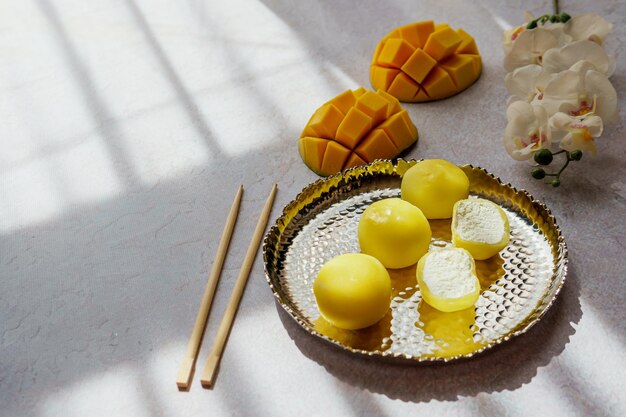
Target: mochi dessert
(394, 232)
(447, 279)
(353, 291)
(480, 226)
(434, 186)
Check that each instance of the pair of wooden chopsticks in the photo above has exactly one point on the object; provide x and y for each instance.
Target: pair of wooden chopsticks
(185, 373)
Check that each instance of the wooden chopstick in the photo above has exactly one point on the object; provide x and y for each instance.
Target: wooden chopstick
(183, 379)
(210, 368)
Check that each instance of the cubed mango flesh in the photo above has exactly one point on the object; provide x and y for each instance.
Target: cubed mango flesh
(355, 128)
(425, 61)
(442, 43)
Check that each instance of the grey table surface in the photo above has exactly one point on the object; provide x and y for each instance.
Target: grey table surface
(126, 127)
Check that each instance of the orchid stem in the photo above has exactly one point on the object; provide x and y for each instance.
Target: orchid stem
(558, 174)
(555, 3)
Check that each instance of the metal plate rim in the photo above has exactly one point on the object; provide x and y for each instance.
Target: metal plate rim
(409, 358)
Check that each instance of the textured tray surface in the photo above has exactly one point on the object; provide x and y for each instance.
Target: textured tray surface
(518, 285)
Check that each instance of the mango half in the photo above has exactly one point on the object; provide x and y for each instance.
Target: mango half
(353, 129)
(425, 61)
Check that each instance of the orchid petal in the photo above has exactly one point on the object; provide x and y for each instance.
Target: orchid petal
(597, 84)
(594, 124)
(519, 109)
(561, 121)
(562, 91)
(588, 27)
(557, 60)
(525, 120)
(574, 141)
(529, 47)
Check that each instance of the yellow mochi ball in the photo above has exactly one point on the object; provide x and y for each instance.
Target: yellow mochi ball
(434, 186)
(395, 232)
(353, 291)
(447, 279)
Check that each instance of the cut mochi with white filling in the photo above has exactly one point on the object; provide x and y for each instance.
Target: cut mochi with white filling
(480, 226)
(447, 279)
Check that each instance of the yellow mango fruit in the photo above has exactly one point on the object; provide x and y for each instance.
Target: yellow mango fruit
(425, 61)
(353, 291)
(394, 232)
(355, 128)
(480, 226)
(447, 279)
(434, 186)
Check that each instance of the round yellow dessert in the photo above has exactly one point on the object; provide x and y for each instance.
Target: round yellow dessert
(480, 226)
(353, 291)
(447, 279)
(355, 128)
(425, 61)
(434, 186)
(394, 232)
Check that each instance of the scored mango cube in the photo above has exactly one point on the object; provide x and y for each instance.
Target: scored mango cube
(384, 76)
(325, 121)
(397, 129)
(344, 101)
(439, 83)
(442, 43)
(354, 161)
(355, 125)
(359, 92)
(395, 52)
(393, 105)
(417, 34)
(403, 87)
(377, 146)
(374, 106)
(369, 126)
(460, 68)
(335, 157)
(313, 149)
(468, 44)
(409, 63)
(419, 65)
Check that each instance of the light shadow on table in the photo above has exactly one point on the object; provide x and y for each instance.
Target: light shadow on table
(506, 367)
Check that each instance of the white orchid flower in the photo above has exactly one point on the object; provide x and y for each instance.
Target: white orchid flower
(529, 48)
(511, 35)
(527, 83)
(559, 59)
(577, 133)
(527, 130)
(581, 90)
(588, 27)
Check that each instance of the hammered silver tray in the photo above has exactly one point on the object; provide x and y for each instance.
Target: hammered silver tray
(518, 285)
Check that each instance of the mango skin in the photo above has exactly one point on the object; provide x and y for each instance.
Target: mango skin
(353, 291)
(447, 305)
(434, 186)
(481, 251)
(395, 232)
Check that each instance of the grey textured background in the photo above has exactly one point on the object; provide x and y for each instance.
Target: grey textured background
(126, 127)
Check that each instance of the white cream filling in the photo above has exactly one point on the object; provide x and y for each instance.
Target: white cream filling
(480, 221)
(448, 273)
